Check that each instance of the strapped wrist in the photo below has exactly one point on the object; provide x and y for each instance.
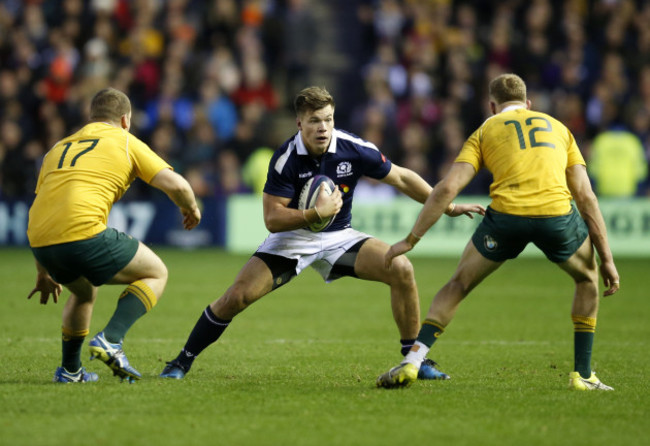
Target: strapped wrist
(320, 219)
(412, 238)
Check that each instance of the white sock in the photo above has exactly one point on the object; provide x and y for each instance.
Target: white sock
(417, 354)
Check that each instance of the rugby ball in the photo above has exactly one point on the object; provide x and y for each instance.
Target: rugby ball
(309, 195)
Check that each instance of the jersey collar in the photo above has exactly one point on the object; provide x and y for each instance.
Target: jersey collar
(302, 150)
(512, 107)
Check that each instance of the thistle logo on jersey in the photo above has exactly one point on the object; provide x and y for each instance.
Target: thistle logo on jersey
(344, 169)
(490, 243)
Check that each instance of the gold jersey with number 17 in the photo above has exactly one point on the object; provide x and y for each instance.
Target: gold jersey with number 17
(80, 179)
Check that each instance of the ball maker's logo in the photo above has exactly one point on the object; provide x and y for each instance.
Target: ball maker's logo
(490, 243)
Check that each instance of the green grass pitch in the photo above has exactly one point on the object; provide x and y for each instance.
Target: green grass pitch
(299, 366)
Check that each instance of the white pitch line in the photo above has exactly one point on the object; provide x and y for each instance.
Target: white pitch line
(24, 340)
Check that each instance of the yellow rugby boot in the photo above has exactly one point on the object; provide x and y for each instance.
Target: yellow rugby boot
(401, 376)
(577, 382)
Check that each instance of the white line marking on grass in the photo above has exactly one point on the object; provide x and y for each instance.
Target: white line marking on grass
(22, 340)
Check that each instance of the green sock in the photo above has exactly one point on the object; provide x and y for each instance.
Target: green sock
(134, 302)
(129, 309)
(583, 341)
(429, 332)
(71, 352)
(584, 328)
(71, 343)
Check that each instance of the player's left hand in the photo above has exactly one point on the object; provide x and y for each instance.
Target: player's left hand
(467, 209)
(46, 286)
(399, 248)
(191, 218)
(610, 277)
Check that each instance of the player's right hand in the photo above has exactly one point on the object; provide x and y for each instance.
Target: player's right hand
(46, 286)
(329, 205)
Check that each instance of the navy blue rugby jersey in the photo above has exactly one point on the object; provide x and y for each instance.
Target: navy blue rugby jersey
(347, 159)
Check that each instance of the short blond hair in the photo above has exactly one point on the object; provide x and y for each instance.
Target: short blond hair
(109, 104)
(508, 87)
(312, 98)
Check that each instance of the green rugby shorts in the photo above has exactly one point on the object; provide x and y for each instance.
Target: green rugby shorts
(97, 259)
(500, 236)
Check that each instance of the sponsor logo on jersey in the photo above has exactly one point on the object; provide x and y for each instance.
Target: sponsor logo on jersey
(305, 174)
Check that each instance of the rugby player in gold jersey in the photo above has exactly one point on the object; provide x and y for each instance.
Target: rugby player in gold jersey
(80, 179)
(537, 170)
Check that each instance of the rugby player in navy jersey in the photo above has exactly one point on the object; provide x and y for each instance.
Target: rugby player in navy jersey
(339, 250)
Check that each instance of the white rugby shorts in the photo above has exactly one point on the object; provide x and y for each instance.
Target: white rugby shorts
(321, 250)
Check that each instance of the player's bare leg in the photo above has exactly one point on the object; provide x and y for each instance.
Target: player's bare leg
(583, 268)
(253, 282)
(405, 301)
(146, 276)
(404, 298)
(472, 269)
(78, 309)
(77, 314)
(147, 267)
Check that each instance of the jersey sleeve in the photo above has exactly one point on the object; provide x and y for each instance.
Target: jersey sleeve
(376, 165)
(471, 151)
(41, 174)
(146, 162)
(280, 177)
(573, 153)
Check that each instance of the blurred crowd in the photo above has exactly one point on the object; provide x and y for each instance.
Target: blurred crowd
(211, 82)
(585, 62)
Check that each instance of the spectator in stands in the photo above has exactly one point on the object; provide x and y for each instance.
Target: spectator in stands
(618, 164)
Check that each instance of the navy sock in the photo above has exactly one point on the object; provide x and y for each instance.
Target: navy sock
(406, 345)
(206, 331)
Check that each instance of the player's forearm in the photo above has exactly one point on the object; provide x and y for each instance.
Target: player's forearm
(414, 186)
(182, 196)
(438, 203)
(176, 187)
(287, 219)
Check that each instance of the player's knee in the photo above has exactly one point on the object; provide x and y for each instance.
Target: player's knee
(235, 300)
(588, 285)
(587, 276)
(158, 282)
(163, 272)
(402, 270)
